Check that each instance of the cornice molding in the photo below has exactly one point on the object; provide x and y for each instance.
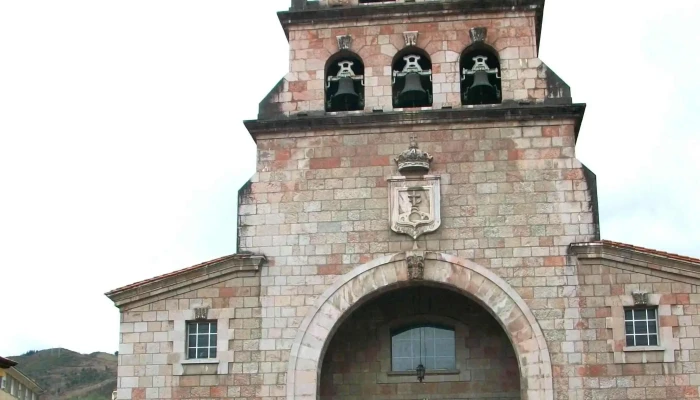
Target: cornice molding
(306, 13)
(500, 113)
(637, 261)
(185, 281)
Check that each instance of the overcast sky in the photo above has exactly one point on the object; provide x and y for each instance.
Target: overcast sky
(122, 145)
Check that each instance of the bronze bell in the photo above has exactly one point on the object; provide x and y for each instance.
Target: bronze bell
(413, 93)
(481, 91)
(345, 98)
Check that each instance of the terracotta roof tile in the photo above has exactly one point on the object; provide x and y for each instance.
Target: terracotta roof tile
(179, 272)
(649, 251)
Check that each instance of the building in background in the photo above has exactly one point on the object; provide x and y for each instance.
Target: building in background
(14, 384)
(418, 228)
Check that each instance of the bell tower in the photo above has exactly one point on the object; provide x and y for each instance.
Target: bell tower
(422, 130)
(384, 56)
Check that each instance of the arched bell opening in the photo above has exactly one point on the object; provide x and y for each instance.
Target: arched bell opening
(412, 83)
(480, 72)
(417, 341)
(345, 90)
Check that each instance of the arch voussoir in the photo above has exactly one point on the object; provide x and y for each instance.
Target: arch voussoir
(468, 278)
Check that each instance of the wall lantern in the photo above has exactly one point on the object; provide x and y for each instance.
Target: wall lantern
(420, 372)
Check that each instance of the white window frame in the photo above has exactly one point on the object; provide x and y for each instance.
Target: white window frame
(623, 354)
(178, 336)
(649, 335)
(3, 383)
(196, 336)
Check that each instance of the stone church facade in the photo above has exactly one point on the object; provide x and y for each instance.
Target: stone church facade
(418, 228)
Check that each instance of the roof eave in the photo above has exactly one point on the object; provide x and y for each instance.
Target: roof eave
(185, 280)
(654, 262)
(7, 363)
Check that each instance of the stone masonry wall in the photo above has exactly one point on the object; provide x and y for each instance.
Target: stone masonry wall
(147, 355)
(585, 334)
(511, 34)
(357, 364)
(513, 199)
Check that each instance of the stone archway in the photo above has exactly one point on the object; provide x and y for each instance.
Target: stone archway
(468, 278)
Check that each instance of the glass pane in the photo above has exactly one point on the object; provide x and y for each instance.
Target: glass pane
(202, 353)
(652, 326)
(192, 340)
(204, 327)
(630, 340)
(628, 314)
(653, 340)
(212, 353)
(203, 341)
(212, 327)
(444, 333)
(192, 353)
(629, 328)
(642, 340)
(429, 348)
(191, 328)
(444, 363)
(640, 327)
(416, 350)
(652, 313)
(640, 314)
(444, 348)
(402, 364)
(428, 334)
(401, 336)
(401, 348)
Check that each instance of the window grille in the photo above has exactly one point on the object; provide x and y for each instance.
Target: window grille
(431, 346)
(641, 327)
(201, 340)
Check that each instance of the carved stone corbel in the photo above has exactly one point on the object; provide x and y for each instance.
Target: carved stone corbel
(640, 298)
(410, 38)
(478, 34)
(415, 263)
(201, 313)
(344, 42)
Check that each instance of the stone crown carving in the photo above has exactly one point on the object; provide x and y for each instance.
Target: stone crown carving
(414, 159)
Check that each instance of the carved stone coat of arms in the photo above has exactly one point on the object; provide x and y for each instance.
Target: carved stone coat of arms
(414, 205)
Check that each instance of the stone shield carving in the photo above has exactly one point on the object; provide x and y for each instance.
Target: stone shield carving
(414, 205)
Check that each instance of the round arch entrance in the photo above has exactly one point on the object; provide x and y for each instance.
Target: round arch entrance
(373, 279)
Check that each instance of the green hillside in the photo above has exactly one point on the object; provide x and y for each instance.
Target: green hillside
(65, 374)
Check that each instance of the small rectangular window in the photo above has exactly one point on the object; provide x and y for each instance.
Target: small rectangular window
(641, 327)
(3, 383)
(201, 340)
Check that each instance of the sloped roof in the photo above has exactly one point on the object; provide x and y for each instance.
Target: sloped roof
(639, 249)
(172, 274)
(7, 363)
(185, 279)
